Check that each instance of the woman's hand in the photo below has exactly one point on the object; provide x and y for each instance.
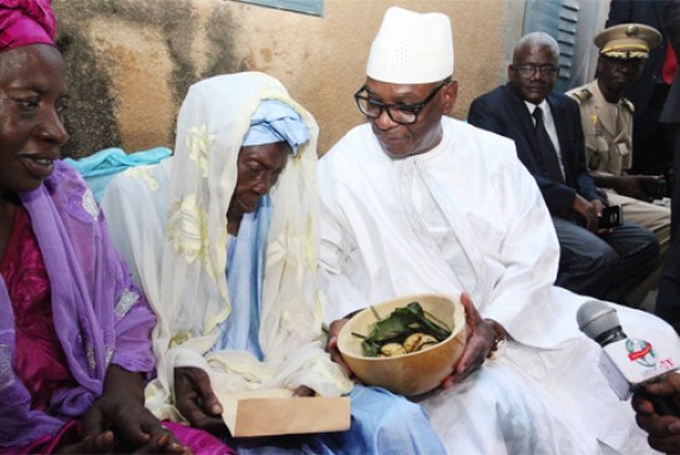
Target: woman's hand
(119, 421)
(92, 444)
(303, 391)
(332, 344)
(480, 341)
(195, 399)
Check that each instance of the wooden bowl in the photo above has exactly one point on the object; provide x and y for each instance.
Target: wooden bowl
(413, 373)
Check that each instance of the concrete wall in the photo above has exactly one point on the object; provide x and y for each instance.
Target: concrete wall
(131, 61)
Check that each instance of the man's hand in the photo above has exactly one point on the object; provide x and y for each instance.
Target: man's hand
(589, 211)
(599, 207)
(332, 344)
(118, 419)
(663, 430)
(642, 187)
(480, 340)
(196, 401)
(651, 187)
(631, 186)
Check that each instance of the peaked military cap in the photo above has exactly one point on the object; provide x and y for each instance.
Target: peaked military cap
(627, 41)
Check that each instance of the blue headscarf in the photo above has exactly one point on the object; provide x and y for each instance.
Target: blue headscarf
(275, 121)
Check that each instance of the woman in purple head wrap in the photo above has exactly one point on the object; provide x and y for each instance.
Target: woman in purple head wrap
(75, 346)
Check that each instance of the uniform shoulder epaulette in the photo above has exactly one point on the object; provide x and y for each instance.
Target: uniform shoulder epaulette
(582, 95)
(628, 105)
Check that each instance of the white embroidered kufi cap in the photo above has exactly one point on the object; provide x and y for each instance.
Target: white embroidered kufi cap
(411, 48)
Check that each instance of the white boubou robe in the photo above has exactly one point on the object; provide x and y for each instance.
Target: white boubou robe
(467, 216)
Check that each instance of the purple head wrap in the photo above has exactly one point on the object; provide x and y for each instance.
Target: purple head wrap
(24, 22)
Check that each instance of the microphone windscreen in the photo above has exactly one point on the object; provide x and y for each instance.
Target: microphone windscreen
(596, 318)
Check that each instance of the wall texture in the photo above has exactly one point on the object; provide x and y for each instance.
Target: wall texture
(131, 61)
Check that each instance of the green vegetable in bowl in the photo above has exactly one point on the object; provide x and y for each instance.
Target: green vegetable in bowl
(407, 329)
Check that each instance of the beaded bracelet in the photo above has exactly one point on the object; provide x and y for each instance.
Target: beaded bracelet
(498, 339)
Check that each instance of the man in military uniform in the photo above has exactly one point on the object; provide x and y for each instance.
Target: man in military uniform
(607, 120)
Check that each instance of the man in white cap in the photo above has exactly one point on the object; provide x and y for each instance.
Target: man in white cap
(607, 123)
(416, 202)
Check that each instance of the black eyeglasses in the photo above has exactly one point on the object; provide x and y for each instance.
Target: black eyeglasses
(529, 69)
(404, 114)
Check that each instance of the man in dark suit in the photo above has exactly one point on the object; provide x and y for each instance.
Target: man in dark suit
(668, 299)
(664, 428)
(546, 128)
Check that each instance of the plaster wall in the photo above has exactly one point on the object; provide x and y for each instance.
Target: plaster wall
(131, 61)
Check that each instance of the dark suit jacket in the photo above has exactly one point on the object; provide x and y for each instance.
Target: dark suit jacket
(671, 109)
(648, 12)
(504, 112)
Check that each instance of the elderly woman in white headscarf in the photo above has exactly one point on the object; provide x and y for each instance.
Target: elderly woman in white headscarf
(223, 238)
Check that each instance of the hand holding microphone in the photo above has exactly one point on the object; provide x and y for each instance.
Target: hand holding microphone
(663, 430)
(628, 364)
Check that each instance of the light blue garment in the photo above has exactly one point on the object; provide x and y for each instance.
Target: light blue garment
(274, 121)
(381, 423)
(246, 253)
(99, 168)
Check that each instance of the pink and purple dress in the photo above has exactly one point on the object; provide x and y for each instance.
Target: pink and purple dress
(68, 309)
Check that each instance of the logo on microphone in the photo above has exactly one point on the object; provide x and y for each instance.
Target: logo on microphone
(641, 351)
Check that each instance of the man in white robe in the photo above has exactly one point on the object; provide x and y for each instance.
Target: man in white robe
(414, 201)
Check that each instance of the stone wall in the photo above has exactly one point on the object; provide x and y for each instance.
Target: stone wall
(130, 62)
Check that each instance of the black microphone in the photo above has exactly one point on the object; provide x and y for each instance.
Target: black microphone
(628, 364)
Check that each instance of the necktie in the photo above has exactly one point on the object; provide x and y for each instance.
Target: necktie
(548, 154)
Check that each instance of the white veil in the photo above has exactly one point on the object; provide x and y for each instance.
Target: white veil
(170, 222)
